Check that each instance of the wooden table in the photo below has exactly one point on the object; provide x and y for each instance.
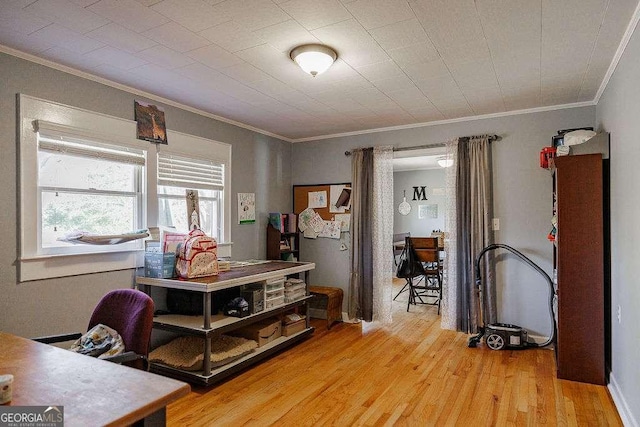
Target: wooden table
(92, 391)
(399, 245)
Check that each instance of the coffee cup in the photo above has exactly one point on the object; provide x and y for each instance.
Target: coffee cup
(6, 383)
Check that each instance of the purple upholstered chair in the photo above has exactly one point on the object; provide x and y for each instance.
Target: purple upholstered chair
(130, 313)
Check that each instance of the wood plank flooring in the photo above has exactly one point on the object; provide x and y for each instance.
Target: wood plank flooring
(411, 373)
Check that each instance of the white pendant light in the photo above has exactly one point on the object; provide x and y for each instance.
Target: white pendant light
(314, 58)
(445, 162)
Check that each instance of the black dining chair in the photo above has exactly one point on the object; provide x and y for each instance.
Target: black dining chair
(399, 240)
(398, 245)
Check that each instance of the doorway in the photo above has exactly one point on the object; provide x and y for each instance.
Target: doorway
(419, 180)
(420, 200)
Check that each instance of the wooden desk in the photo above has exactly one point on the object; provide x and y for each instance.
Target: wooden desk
(92, 391)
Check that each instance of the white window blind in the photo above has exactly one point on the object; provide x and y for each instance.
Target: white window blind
(186, 172)
(62, 139)
(115, 154)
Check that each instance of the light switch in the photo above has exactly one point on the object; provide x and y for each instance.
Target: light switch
(496, 224)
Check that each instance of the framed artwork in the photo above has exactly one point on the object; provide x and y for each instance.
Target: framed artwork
(427, 211)
(150, 123)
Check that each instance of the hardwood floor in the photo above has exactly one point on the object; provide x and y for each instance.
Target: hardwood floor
(410, 373)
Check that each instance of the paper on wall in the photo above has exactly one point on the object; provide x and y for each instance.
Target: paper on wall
(317, 199)
(345, 221)
(334, 195)
(310, 234)
(304, 218)
(246, 208)
(317, 223)
(309, 218)
(331, 230)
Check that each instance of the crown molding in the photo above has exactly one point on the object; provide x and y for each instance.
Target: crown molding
(449, 121)
(130, 89)
(621, 48)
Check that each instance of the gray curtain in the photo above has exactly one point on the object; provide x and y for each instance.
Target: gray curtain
(474, 212)
(361, 280)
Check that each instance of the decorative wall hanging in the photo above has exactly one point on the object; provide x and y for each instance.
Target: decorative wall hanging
(420, 193)
(193, 209)
(246, 208)
(150, 123)
(404, 207)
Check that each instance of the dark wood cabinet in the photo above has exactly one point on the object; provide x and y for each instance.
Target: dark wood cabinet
(581, 262)
(282, 246)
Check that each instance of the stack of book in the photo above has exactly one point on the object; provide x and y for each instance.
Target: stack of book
(284, 222)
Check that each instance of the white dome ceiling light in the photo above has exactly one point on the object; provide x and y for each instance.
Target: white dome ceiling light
(314, 58)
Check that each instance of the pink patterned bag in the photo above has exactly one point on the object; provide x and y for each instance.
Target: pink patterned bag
(197, 256)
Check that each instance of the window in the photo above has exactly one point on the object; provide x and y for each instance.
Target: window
(87, 187)
(176, 174)
(85, 170)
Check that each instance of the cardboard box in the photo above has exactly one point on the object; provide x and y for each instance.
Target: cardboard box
(263, 332)
(293, 328)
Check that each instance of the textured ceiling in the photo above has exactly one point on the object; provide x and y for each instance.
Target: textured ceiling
(400, 63)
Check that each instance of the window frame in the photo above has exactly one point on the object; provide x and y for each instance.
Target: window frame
(138, 160)
(98, 127)
(184, 145)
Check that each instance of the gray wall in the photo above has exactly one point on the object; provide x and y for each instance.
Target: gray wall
(617, 113)
(522, 199)
(405, 181)
(260, 164)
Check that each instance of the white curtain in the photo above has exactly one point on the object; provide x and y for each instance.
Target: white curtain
(450, 292)
(382, 233)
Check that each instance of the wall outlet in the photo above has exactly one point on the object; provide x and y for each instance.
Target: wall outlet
(619, 314)
(496, 224)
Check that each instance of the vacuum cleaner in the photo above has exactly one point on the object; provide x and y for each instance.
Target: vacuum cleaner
(500, 336)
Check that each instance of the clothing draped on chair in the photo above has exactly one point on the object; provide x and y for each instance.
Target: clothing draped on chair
(371, 234)
(469, 215)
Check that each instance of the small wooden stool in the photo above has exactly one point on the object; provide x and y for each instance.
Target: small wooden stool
(333, 297)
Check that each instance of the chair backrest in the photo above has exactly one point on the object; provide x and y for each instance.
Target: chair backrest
(399, 238)
(426, 249)
(130, 313)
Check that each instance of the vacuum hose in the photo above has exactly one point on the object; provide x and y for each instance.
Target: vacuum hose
(535, 266)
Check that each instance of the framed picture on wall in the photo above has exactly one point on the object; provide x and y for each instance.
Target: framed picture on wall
(150, 122)
(427, 211)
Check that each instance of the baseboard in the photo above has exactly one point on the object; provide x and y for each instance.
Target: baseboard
(539, 339)
(621, 404)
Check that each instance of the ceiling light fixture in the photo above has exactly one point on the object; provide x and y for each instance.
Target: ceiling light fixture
(314, 58)
(445, 162)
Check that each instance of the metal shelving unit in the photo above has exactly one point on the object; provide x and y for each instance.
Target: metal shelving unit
(210, 326)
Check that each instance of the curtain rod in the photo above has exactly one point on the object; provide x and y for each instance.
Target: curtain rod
(434, 145)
